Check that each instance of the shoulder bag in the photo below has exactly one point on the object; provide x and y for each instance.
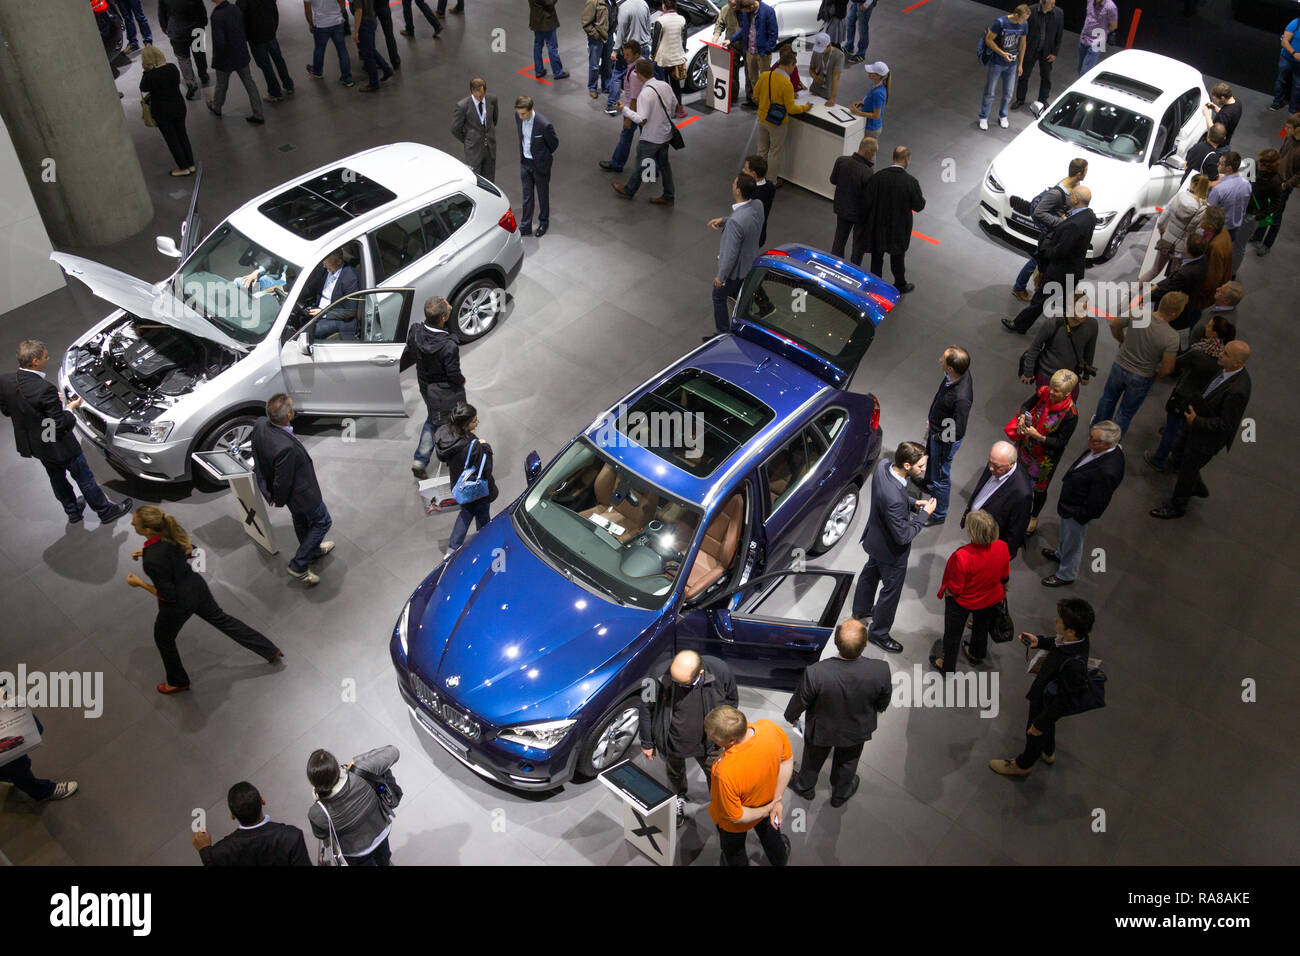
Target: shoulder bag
(385, 787)
(330, 852)
(675, 139)
(1002, 628)
(1083, 696)
(146, 113)
(775, 111)
(470, 487)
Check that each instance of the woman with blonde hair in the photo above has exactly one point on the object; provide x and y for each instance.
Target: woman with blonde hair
(1041, 431)
(181, 593)
(974, 584)
(160, 92)
(1179, 221)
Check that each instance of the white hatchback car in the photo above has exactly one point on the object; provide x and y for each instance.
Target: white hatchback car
(1133, 117)
(187, 364)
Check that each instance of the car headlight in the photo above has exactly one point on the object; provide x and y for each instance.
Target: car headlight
(1104, 219)
(154, 432)
(403, 626)
(544, 736)
(992, 182)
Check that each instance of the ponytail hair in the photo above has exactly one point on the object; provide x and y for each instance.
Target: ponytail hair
(461, 416)
(154, 520)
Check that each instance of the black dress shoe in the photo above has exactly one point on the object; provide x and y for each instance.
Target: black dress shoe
(1011, 326)
(119, 509)
(1202, 492)
(853, 788)
(541, 230)
(1166, 512)
(1051, 554)
(931, 521)
(1052, 581)
(886, 643)
(906, 287)
(806, 794)
(80, 515)
(526, 230)
(609, 167)
(1017, 104)
(973, 661)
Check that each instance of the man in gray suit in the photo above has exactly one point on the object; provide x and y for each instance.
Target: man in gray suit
(740, 232)
(474, 124)
(896, 518)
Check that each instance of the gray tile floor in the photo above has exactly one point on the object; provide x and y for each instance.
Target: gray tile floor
(1184, 771)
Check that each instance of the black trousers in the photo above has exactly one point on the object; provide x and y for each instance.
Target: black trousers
(385, 17)
(442, 6)
(540, 184)
(842, 229)
(889, 579)
(954, 622)
(1189, 482)
(1030, 314)
(424, 8)
(676, 767)
(844, 764)
(896, 266)
(1036, 746)
(733, 845)
(172, 617)
(178, 141)
(1036, 58)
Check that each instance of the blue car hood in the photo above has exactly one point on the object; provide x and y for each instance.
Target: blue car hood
(511, 640)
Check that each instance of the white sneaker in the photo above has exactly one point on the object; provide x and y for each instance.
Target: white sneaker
(1002, 121)
(325, 548)
(984, 123)
(308, 577)
(64, 790)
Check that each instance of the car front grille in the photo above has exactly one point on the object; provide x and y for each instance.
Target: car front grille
(457, 720)
(94, 423)
(1021, 206)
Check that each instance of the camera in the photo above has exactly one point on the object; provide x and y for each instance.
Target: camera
(1087, 371)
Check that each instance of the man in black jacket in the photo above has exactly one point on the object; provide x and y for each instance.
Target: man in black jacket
(436, 356)
(258, 841)
(179, 19)
(261, 21)
(1005, 491)
(45, 430)
(1062, 258)
(1064, 668)
(945, 427)
(1049, 210)
(1213, 418)
(1046, 27)
(672, 711)
(537, 146)
(849, 176)
(1086, 490)
(1188, 277)
(287, 479)
(230, 55)
(895, 519)
(891, 196)
(842, 696)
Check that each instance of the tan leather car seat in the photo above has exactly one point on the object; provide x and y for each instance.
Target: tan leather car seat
(718, 549)
(631, 516)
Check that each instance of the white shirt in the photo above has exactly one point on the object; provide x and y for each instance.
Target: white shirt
(32, 370)
(1093, 456)
(526, 135)
(654, 101)
(901, 479)
(327, 290)
(990, 488)
(262, 822)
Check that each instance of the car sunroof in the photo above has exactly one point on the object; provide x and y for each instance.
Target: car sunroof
(1144, 92)
(320, 205)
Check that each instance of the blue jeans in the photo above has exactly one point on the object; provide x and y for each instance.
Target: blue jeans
(327, 327)
(1088, 57)
(1286, 89)
(1026, 272)
(552, 51)
(623, 149)
(371, 59)
(79, 469)
(938, 470)
(133, 13)
(1173, 428)
(424, 450)
(597, 65)
(338, 36)
(1070, 549)
(999, 69)
(858, 26)
(721, 314)
(476, 511)
(1122, 397)
(657, 153)
(311, 528)
(270, 60)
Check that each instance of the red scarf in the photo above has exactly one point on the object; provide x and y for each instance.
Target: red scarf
(1044, 408)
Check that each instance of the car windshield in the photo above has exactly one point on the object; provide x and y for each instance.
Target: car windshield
(235, 284)
(602, 524)
(1099, 126)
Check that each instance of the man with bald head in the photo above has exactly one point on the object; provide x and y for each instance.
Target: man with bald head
(841, 697)
(672, 710)
(1213, 418)
(1062, 255)
(1005, 491)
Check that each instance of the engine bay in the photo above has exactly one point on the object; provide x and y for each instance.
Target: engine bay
(136, 368)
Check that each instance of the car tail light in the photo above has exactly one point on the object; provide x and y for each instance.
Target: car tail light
(507, 222)
(776, 252)
(875, 414)
(880, 300)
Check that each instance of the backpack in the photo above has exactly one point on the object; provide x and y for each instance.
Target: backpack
(1033, 203)
(385, 787)
(1089, 694)
(983, 51)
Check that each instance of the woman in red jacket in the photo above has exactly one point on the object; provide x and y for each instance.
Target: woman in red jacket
(975, 580)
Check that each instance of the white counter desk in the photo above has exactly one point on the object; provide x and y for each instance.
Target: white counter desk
(815, 140)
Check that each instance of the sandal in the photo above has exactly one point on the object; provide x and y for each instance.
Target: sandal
(166, 688)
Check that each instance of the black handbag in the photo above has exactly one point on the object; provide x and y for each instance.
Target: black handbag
(385, 787)
(1002, 628)
(1078, 697)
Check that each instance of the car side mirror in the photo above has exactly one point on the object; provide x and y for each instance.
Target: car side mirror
(1175, 163)
(304, 343)
(532, 467)
(167, 246)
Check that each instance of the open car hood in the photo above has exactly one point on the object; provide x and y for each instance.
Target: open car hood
(142, 299)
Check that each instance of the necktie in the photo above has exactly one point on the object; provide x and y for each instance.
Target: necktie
(482, 114)
(1215, 384)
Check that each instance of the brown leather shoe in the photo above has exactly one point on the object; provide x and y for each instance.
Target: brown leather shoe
(660, 201)
(1022, 294)
(618, 188)
(1008, 768)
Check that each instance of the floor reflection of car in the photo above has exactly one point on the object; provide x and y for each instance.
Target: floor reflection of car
(186, 364)
(669, 523)
(1133, 117)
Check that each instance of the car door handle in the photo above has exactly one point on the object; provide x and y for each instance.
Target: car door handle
(384, 360)
(801, 645)
(442, 259)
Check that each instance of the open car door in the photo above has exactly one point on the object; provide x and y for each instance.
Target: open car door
(771, 627)
(353, 371)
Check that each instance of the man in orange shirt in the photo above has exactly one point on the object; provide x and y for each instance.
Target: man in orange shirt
(748, 780)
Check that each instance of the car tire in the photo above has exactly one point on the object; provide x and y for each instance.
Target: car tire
(600, 750)
(697, 73)
(837, 519)
(473, 312)
(1117, 237)
(237, 427)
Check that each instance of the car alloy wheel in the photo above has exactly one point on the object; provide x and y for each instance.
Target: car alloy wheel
(837, 522)
(233, 435)
(1117, 237)
(697, 74)
(478, 308)
(614, 737)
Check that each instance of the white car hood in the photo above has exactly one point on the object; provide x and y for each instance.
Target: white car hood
(143, 299)
(1034, 160)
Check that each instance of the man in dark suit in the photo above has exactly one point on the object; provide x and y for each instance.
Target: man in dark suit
(1086, 490)
(1213, 418)
(474, 124)
(1061, 256)
(45, 430)
(849, 176)
(842, 696)
(895, 519)
(287, 479)
(891, 196)
(1005, 491)
(945, 427)
(340, 280)
(1188, 277)
(230, 55)
(537, 144)
(258, 841)
(1042, 44)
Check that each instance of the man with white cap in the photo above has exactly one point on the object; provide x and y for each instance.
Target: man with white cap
(825, 67)
(873, 104)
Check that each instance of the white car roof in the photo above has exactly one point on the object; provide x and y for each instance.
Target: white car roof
(1171, 77)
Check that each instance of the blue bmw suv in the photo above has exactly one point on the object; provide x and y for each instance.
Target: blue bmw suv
(679, 519)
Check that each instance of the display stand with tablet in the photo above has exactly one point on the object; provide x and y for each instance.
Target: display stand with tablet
(649, 811)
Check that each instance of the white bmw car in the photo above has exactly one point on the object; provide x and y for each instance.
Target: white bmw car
(1133, 117)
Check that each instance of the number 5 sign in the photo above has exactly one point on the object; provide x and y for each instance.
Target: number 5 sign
(719, 76)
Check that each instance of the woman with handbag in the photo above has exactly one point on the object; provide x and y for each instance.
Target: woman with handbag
(1068, 342)
(1179, 221)
(164, 106)
(460, 450)
(669, 49)
(974, 585)
(1041, 431)
(348, 817)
